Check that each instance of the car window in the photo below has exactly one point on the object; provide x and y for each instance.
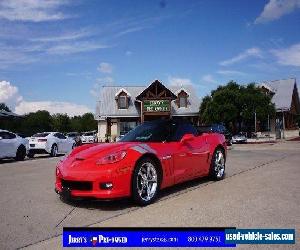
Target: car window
(222, 129)
(182, 129)
(7, 135)
(156, 131)
(88, 134)
(205, 129)
(60, 136)
(72, 134)
(40, 135)
(215, 128)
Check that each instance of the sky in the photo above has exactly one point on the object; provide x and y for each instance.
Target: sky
(56, 54)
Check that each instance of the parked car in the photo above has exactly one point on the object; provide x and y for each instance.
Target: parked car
(76, 137)
(122, 134)
(118, 138)
(89, 137)
(239, 138)
(217, 128)
(154, 155)
(13, 146)
(52, 143)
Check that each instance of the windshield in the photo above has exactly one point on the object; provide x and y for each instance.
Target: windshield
(157, 131)
(41, 135)
(72, 134)
(88, 134)
(204, 129)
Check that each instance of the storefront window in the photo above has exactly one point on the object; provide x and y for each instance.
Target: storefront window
(122, 102)
(182, 102)
(125, 127)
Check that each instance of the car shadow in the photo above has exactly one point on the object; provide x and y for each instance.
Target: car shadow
(181, 188)
(11, 160)
(43, 156)
(127, 203)
(95, 204)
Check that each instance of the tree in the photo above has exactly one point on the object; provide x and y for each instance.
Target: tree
(76, 124)
(35, 122)
(42, 121)
(235, 105)
(88, 122)
(61, 123)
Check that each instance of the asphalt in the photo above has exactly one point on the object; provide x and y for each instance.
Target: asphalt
(261, 190)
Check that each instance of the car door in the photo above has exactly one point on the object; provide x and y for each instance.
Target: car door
(200, 154)
(56, 139)
(3, 148)
(184, 157)
(8, 144)
(66, 143)
(62, 142)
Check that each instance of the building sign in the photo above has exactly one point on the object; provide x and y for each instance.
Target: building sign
(156, 106)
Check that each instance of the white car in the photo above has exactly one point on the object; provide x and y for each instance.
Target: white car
(52, 143)
(239, 138)
(12, 146)
(89, 137)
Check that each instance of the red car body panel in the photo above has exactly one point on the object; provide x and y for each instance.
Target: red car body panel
(179, 161)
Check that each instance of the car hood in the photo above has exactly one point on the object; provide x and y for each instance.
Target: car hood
(98, 150)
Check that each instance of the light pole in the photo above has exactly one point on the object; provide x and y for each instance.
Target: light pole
(255, 121)
(283, 124)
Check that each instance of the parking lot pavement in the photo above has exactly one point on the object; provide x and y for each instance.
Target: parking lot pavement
(261, 190)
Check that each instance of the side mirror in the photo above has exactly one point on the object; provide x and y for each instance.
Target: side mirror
(186, 138)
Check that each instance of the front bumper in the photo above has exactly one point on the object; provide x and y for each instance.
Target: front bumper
(93, 183)
(239, 140)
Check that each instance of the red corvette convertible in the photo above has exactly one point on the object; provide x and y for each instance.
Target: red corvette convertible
(153, 156)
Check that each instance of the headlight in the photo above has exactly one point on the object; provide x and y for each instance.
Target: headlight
(111, 158)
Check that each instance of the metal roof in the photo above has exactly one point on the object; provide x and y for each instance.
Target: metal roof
(107, 104)
(4, 113)
(283, 90)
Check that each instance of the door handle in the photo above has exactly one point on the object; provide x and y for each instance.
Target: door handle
(182, 155)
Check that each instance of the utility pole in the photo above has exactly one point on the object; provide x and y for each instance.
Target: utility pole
(255, 120)
(269, 130)
(283, 124)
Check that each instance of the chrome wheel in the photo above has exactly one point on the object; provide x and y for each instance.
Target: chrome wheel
(54, 150)
(147, 181)
(219, 164)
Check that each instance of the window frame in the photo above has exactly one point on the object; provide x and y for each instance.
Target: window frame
(184, 95)
(125, 102)
(9, 135)
(177, 136)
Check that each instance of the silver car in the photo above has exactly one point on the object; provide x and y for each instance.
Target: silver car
(239, 138)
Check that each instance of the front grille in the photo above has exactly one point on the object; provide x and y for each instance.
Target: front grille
(77, 185)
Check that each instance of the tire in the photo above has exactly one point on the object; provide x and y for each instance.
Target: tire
(21, 153)
(30, 155)
(217, 165)
(145, 182)
(54, 150)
